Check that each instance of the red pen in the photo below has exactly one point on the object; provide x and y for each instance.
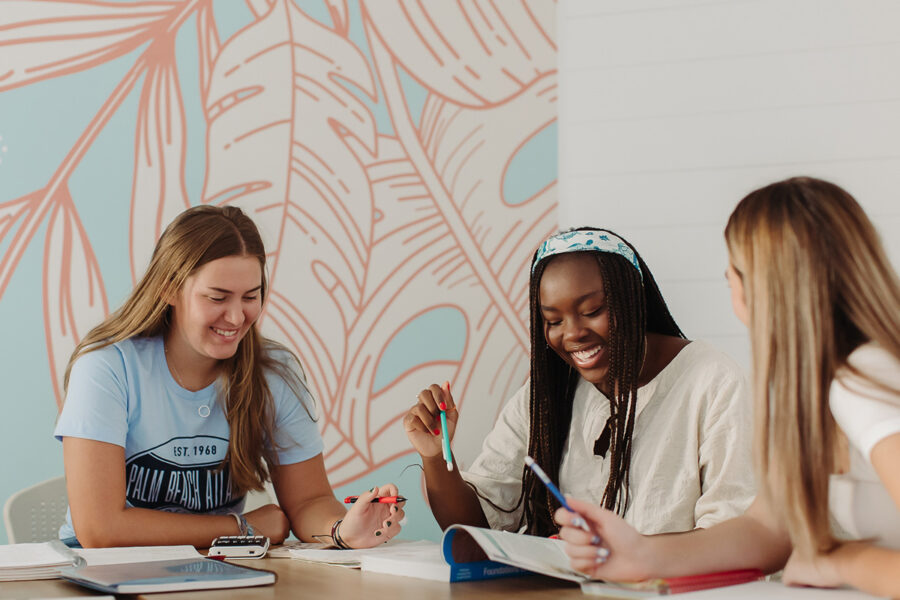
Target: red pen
(379, 499)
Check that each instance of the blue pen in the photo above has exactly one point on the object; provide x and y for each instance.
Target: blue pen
(448, 456)
(554, 490)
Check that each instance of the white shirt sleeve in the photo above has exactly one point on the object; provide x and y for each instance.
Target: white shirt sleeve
(497, 472)
(867, 413)
(725, 458)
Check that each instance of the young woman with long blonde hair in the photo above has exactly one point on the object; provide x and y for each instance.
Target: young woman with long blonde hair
(176, 406)
(810, 279)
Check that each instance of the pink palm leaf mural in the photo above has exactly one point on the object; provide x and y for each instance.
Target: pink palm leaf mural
(369, 228)
(45, 39)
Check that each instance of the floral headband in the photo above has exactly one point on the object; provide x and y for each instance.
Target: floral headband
(582, 240)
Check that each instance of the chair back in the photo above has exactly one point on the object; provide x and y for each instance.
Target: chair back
(35, 513)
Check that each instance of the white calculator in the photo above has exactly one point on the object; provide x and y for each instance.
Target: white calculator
(239, 546)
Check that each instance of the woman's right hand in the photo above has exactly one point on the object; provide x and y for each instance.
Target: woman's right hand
(423, 421)
(270, 521)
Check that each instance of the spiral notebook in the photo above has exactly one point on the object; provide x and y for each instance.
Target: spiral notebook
(167, 576)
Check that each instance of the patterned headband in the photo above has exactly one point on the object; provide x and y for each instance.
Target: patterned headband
(582, 240)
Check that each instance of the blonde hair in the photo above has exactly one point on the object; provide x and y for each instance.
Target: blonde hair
(196, 237)
(817, 284)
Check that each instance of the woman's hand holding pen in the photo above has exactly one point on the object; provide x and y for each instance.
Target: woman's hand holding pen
(423, 422)
(368, 523)
(612, 549)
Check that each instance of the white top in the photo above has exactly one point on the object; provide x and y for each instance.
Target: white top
(690, 464)
(867, 414)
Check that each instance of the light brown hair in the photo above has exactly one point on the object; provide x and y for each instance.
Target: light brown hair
(196, 237)
(817, 285)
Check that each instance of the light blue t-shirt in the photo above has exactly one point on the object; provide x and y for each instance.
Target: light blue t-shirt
(174, 439)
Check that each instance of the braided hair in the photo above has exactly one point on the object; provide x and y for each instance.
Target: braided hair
(636, 307)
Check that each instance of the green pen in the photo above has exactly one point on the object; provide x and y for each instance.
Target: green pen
(448, 456)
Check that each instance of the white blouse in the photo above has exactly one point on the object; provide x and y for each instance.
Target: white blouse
(691, 461)
(859, 501)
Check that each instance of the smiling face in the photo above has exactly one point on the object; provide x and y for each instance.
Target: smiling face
(214, 310)
(576, 317)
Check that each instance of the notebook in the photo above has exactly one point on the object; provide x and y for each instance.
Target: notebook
(167, 576)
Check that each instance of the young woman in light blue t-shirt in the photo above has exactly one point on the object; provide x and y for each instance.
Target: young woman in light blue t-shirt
(176, 406)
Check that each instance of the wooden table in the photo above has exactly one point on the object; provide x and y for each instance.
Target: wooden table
(298, 579)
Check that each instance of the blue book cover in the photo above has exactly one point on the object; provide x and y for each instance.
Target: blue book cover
(467, 560)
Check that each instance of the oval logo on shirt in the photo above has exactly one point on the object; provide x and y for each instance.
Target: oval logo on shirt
(181, 475)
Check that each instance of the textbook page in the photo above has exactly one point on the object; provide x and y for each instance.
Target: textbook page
(538, 554)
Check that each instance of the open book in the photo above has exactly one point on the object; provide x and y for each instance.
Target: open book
(468, 553)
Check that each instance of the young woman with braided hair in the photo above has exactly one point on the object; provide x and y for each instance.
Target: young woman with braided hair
(620, 409)
(821, 300)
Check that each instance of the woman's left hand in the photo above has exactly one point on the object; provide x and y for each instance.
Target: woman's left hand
(370, 523)
(817, 571)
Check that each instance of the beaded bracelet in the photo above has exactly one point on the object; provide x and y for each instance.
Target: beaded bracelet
(244, 528)
(336, 536)
(240, 523)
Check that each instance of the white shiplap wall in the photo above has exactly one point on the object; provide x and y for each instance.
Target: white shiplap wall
(672, 110)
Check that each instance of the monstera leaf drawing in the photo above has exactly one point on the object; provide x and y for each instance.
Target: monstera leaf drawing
(273, 87)
(361, 241)
(47, 39)
(158, 192)
(369, 224)
(476, 53)
(74, 297)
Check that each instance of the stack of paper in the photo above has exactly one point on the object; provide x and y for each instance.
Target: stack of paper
(22, 562)
(423, 560)
(330, 555)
